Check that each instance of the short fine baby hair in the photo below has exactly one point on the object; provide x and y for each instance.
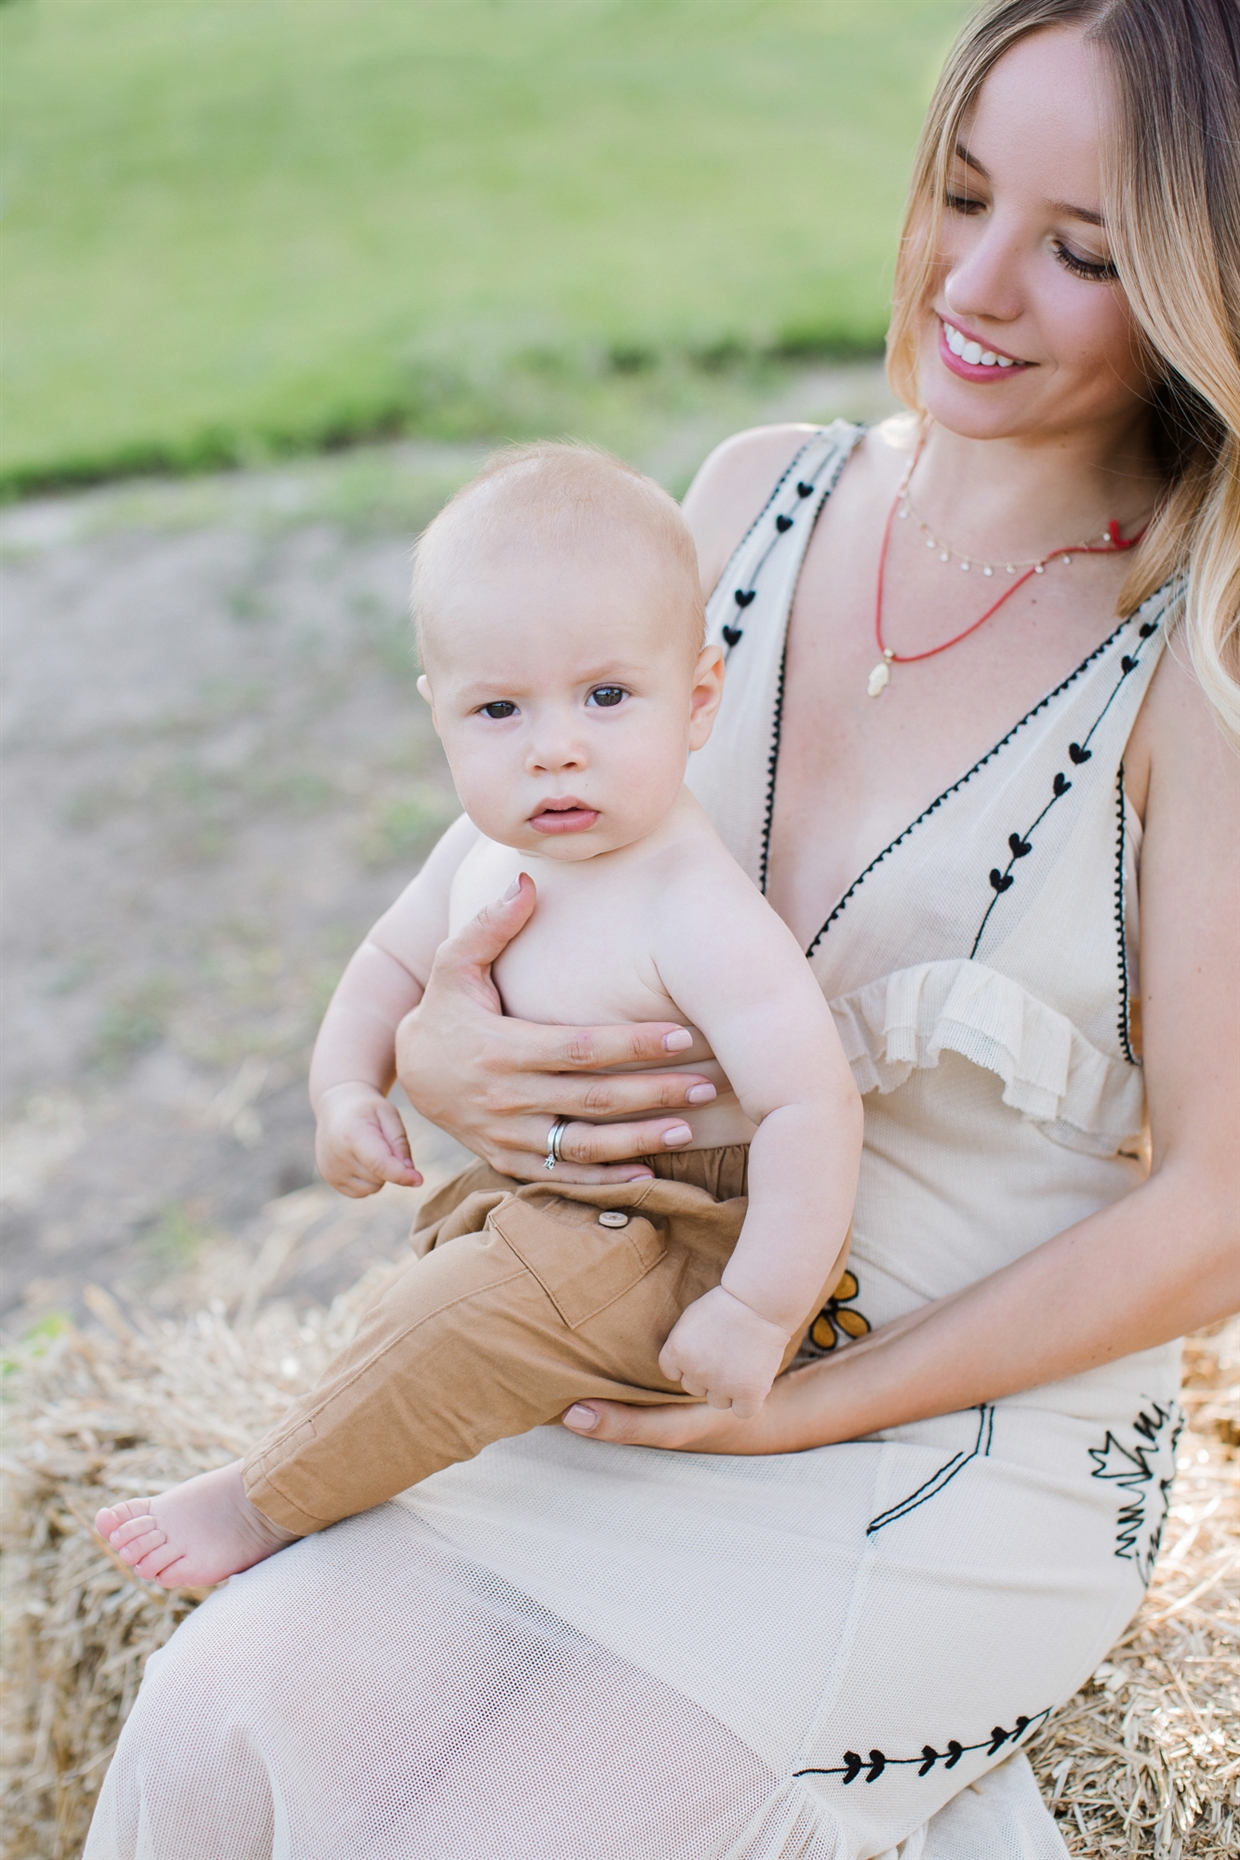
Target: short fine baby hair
(558, 494)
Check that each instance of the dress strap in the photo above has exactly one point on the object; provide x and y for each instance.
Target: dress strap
(747, 614)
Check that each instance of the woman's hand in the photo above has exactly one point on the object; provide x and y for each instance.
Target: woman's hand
(498, 1084)
(682, 1427)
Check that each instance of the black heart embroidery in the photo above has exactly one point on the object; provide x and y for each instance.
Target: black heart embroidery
(731, 634)
(804, 490)
(783, 523)
(1019, 847)
(1127, 665)
(743, 596)
(1151, 626)
(1078, 754)
(1061, 784)
(1000, 880)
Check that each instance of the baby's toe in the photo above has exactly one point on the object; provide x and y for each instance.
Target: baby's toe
(158, 1559)
(129, 1530)
(136, 1548)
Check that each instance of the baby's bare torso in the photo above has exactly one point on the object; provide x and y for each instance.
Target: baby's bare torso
(589, 955)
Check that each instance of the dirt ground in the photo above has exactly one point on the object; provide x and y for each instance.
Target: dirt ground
(217, 773)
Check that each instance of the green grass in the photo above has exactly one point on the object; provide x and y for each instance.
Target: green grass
(240, 227)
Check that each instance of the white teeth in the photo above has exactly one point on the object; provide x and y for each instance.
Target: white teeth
(973, 352)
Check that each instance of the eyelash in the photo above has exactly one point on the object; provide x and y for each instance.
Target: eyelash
(1094, 273)
(509, 709)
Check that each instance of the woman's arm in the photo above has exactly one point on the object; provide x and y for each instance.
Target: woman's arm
(1162, 1261)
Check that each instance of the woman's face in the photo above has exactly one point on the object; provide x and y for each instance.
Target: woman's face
(1026, 330)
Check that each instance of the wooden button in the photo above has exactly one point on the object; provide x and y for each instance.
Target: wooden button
(612, 1217)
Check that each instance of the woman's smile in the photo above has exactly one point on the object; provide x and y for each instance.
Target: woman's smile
(972, 359)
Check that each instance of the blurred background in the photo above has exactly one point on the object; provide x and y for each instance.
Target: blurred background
(276, 275)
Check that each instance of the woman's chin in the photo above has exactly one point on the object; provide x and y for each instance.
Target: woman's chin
(976, 410)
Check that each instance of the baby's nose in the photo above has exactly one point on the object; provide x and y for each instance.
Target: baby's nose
(551, 756)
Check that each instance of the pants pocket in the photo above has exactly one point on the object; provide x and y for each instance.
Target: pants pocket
(582, 1263)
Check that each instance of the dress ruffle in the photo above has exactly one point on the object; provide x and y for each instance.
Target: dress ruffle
(1053, 1075)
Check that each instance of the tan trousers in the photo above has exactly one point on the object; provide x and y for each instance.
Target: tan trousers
(525, 1299)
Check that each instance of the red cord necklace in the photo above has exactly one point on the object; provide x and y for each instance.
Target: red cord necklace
(880, 677)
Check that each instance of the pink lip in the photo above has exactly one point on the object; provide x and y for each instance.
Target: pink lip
(563, 816)
(975, 371)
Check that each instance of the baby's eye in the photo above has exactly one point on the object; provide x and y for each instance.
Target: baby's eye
(499, 709)
(605, 696)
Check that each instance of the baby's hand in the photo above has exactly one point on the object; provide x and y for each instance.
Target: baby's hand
(721, 1349)
(361, 1142)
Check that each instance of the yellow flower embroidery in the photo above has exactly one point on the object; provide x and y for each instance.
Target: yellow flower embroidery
(834, 1320)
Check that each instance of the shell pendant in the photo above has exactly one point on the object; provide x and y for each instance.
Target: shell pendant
(880, 677)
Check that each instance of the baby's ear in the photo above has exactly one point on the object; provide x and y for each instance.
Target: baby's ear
(706, 696)
(424, 689)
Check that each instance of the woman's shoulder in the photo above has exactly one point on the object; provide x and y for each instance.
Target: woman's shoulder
(1176, 741)
(737, 478)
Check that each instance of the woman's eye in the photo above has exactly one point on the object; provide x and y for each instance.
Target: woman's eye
(606, 696)
(1099, 271)
(500, 709)
(963, 203)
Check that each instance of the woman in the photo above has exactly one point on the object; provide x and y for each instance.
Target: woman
(805, 1634)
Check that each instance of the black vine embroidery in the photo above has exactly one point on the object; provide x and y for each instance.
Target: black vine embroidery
(873, 1766)
(1148, 1473)
(943, 1477)
(837, 456)
(1020, 844)
(968, 775)
(837, 1322)
(1125, 1031)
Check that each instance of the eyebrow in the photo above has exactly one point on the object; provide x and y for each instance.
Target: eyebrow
(1087, 214)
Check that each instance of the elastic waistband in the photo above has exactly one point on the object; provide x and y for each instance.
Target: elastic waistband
(723, 1173)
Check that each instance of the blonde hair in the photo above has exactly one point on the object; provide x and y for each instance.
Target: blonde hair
(1171, 200)
(560, 494)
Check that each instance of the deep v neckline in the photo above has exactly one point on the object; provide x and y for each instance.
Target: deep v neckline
(947, 793)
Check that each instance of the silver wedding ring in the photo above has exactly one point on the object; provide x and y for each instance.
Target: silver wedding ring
(555, 1136)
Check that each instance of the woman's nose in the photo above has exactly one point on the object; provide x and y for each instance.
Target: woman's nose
(984, 280)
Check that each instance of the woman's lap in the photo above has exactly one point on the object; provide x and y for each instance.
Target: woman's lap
(389, 1688)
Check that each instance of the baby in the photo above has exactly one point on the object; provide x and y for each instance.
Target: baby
(561, 623)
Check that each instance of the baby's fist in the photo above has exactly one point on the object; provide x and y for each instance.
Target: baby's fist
(361, 1142)
(725, 1352)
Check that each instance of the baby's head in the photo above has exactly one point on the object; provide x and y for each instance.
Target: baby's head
(560, 622)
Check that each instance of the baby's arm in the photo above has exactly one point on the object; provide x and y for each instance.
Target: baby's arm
(361, 1141)
(734, 969)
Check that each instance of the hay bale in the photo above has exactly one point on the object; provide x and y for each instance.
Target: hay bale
(1145, 1760)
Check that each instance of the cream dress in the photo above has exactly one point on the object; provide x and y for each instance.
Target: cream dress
(573, 1651)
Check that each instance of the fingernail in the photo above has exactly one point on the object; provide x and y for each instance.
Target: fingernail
(581, 1418)
(513, 891)
(701, 1094)
(678, 1041)
(639, 1175)
(676, 1136)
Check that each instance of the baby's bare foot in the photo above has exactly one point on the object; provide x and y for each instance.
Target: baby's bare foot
(194, 1534)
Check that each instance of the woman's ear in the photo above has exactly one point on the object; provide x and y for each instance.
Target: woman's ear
(706, 696)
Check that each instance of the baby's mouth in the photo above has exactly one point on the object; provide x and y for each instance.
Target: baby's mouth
(566, 815)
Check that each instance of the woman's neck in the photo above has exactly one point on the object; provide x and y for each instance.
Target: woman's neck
(1020, 498)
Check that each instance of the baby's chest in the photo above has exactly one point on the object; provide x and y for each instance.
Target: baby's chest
(584, 957)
